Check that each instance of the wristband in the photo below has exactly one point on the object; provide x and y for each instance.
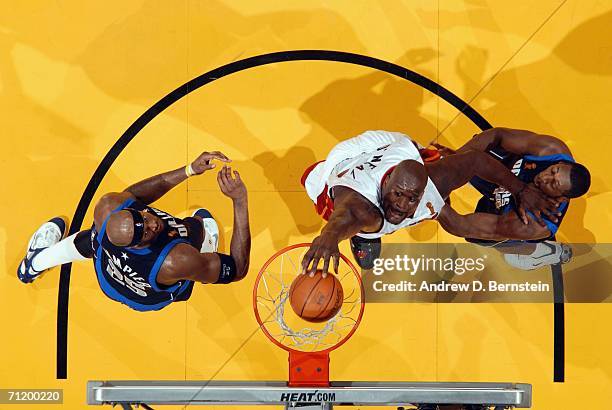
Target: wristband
(189, 171)
(227, 271)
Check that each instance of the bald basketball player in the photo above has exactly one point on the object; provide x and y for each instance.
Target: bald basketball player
(144, 257)
(543, 161)
(377, 183)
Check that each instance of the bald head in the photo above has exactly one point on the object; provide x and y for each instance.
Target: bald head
(410, 175)
(120, 228)
(402, 191)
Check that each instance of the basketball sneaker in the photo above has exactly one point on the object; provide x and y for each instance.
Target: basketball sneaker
(365, 251)
(211, 231)
(47, 235)
(546, 253)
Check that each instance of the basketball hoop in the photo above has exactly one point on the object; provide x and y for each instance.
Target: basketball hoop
(308, 344)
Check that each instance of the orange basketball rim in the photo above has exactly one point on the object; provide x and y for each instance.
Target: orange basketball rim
(308, 344)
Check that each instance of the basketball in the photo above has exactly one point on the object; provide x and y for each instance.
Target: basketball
(316, 299)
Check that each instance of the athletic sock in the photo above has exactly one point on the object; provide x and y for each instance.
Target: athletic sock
(62, 252)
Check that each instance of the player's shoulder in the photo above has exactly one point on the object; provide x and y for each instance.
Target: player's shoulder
(356, 201)
(181, 255)
(107, 203)
(404, 145)
(385, 133)
(182, 258)
(184, 262)
(388, 137)
(550, 145)
(399, 137)
(114, 199)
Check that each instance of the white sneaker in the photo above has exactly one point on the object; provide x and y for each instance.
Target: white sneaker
(546, 253)
(47, 235)
(211, 231)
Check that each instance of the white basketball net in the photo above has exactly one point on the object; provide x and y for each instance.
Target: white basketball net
(287, 327)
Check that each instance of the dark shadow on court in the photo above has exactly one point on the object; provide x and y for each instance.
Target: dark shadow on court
(242, 36)
(282, 171)
(56, 147)
(127, 343)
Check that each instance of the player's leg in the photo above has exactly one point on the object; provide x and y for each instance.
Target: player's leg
(47, 249)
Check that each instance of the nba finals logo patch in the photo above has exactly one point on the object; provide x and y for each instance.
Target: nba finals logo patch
(530, 165)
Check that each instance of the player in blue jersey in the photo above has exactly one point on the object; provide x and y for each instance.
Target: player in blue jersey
(144, 257)
(541, 160)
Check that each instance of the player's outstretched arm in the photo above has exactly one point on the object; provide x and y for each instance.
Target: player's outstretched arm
(153, 188)
(352, 213)
(240, 246)
(491, 227)
(521, 142)
(455, 171)
(186, 262)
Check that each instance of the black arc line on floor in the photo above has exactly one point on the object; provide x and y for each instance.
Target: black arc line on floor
(223, 71)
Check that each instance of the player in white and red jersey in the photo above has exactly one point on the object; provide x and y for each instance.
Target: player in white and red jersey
(376, 183)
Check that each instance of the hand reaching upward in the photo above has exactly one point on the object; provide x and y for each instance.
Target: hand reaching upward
(231, 185)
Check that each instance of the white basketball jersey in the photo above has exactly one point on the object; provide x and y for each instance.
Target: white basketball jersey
(364, 173)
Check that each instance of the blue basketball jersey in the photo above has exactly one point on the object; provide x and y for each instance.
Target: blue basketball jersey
(497, 200)
(129, 275)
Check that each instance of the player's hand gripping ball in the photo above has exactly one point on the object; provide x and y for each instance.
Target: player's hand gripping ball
(317, 298)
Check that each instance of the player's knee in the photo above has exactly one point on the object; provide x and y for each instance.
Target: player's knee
(82, 243)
